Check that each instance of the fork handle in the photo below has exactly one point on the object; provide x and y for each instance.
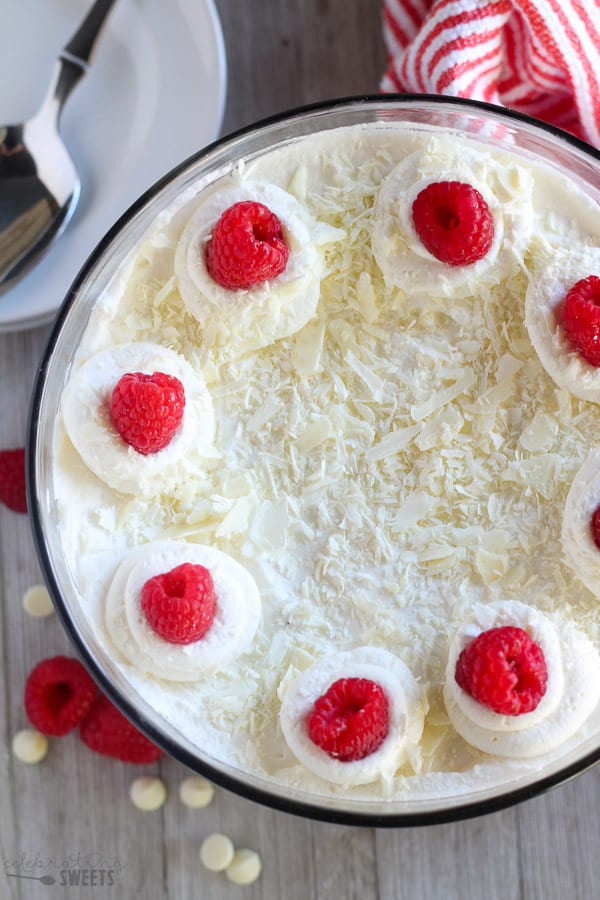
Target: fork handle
(80, 48)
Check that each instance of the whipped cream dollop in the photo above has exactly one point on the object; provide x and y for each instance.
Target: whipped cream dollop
(543, 301)
(86, 416)
(572, 690)
(583, 499)
(236, 321)
(237, 615)
(504, 185)
(407, 708)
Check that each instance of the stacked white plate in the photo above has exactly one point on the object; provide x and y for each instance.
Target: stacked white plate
(154, 95)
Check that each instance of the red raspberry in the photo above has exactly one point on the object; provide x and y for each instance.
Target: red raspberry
(454, 222)
(147, 410)
(581, 318)
(246, 246)
(107, 731)
(503, 669)
(180, 605)
(350, 720)
(12, 479)
(58, 694)
(595, 527)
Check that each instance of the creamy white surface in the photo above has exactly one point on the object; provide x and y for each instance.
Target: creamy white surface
(379, 472)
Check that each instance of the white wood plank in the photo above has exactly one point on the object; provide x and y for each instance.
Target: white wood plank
(459, 861)
(558, 839)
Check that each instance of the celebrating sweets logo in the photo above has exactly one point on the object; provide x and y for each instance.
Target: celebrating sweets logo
(74, 870)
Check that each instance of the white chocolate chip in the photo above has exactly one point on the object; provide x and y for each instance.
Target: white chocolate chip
(148, 793)
(37, 602)
(216, 852)
(196, 792)
(245, 867)
(30, 746)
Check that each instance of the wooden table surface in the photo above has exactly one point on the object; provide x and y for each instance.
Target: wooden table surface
(73, 810)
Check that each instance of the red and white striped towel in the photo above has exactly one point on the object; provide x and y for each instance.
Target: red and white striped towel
(541, 58)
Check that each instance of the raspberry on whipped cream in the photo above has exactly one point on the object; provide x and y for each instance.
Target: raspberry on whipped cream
(180, 604)
(595, 527)
(350, 720)
(504, 669)
(236, 612)
(454, 222)
(240, 318)
(580, 317)
(89, 425)
(246, 247)
(505, 211)
(572, 690)
(404, 703)
(386, 448)
(147, 410)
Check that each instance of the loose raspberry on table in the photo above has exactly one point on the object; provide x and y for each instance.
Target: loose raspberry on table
(581, 318)
(58, 694)
(106, 730)
(12, 479)
(454, 222)
(147, 410)
(246, 247)
(504, 669)
(350, 720)
(180, 605)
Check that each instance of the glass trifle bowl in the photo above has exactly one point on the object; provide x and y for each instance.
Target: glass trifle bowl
(383, 461)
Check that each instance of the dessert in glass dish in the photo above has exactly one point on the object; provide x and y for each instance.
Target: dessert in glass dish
(323, 464)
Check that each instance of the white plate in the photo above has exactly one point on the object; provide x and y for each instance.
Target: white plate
(154, 95)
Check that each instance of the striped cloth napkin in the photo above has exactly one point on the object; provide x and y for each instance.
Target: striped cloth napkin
(541, 58)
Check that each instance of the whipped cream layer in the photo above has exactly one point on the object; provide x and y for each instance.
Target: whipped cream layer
(397, 460)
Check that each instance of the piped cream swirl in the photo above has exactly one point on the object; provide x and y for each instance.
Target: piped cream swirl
(236, 619)
(399, 251)
(543, 301)
(237, 321)
(571, 695)
(86, 415)
(406, 713)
